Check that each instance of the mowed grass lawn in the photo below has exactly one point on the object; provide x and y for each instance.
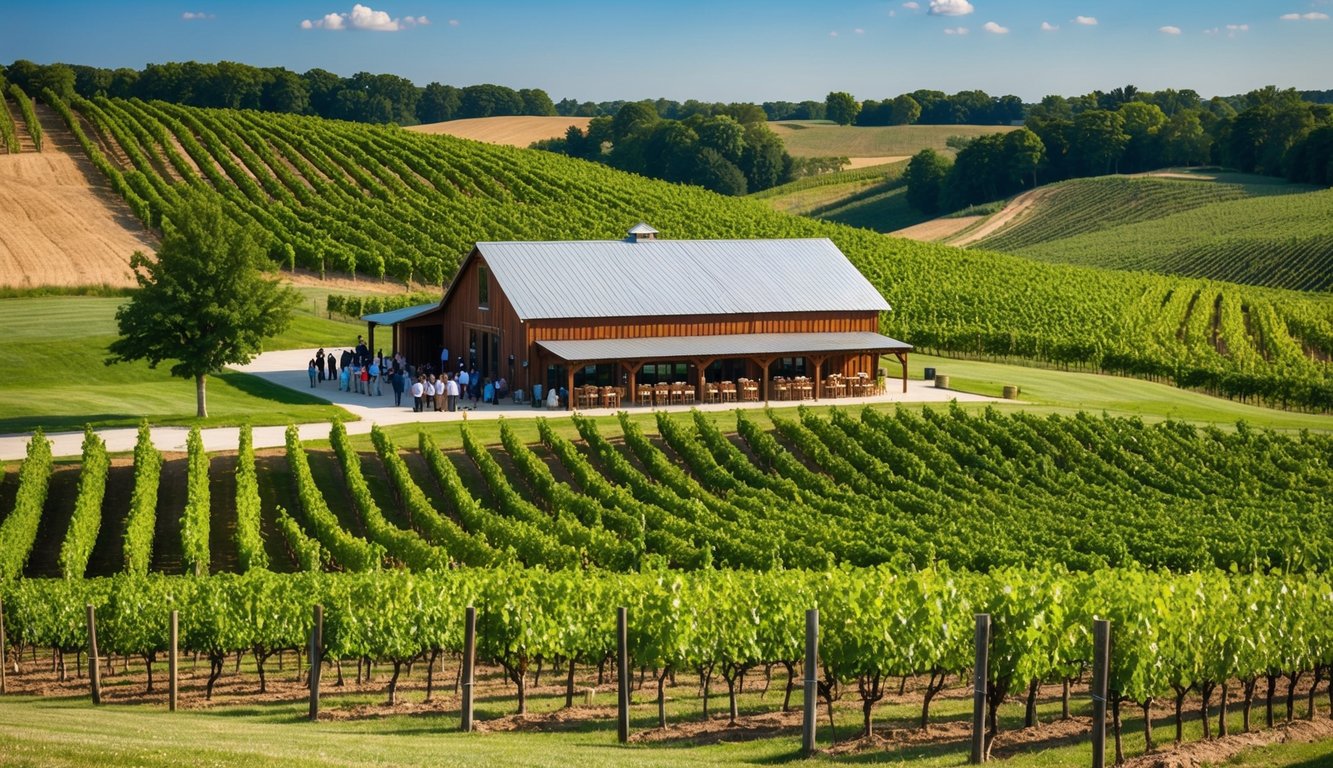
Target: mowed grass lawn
(56, 732)
(816, 139)
(54, 350)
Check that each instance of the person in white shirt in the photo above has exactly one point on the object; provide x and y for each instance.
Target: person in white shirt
(453, 386)
(418, 390)
(553, 400)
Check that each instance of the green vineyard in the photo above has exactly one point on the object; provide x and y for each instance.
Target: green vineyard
(1259, 234)
(898, 525)
(380, 201)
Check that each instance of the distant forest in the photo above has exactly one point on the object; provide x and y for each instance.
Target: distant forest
(1266, 131)
(728, 148)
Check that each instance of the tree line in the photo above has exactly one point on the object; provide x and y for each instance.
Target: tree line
(363, 97)
(725, 148)
(1268, 131)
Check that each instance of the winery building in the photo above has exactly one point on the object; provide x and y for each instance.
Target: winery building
(647, 310)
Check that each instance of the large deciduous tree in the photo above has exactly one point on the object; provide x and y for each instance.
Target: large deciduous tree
(206, 301)
(841, 107)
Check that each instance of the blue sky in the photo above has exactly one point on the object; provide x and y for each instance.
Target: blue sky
(725, 51)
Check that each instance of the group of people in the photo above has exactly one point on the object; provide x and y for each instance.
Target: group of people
(360, 372)
(443, 392)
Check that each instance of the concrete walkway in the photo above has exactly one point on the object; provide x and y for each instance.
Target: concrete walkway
(288, 368)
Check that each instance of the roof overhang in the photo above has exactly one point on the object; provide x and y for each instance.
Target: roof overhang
(396, 316)
(722, 346)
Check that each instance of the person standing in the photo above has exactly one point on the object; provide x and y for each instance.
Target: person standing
(396, 381)
(313, 371)
(344, 379)
(365, 380)
(488, 392)
(333, 366)
(474, 386)
(319, 363)
(462, 379)
(374, 382)
(418, 391)
(452, 388)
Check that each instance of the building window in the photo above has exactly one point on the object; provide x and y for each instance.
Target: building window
(483, 287)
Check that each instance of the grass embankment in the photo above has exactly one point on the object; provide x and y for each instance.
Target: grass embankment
(57, 379)
(823, 139)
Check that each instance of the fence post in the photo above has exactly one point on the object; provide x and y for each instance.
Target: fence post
(811, 688)
(172, 656)
(1101, 659)
(4, 648)
(980, 678)
(316, 649)
(622, 674)
(469, 665)
(94, 661)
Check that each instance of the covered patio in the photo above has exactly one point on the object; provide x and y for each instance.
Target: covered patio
(835, 364)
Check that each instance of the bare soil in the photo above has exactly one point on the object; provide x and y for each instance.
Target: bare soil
(516, 131)
(1197, 754)
(60, 224)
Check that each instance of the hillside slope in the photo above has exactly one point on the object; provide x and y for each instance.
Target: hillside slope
(60, 225)
(1267, 233)
(514, 131)
(387, 201)
(873, 197)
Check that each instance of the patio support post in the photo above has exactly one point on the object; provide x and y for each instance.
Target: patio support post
(902, 358)
(819, 375)
(764, 363)
(569, 374)
(701, 366)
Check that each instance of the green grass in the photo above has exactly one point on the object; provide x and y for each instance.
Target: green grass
(1256, 233)
(65, 731)
(61, 383)
(807, 139)
(1049, 390)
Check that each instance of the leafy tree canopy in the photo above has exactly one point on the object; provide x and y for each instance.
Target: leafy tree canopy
(206, 301)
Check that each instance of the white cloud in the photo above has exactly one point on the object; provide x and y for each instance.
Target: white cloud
(1232, 30)
(1311, 16)
(833, 34)
(950, 7)
(1047, 26)
(995, 29)
(912, 6)
(859, 31)
(453, 22)
(1087, 21)
(367, 18)
(196, 16)
(955, 30)
(1169, 30)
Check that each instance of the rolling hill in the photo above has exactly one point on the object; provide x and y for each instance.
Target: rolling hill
(888, 143)
(384, 201)
(873, 197)
(60, 224)
(513, 131)
(1241, 229)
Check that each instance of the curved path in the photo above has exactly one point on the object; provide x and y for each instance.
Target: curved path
(287, 368)
(1006, 216)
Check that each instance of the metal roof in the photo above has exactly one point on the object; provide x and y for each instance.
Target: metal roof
(729, 345)
(619, 278)
(396, 316)
(642, 228)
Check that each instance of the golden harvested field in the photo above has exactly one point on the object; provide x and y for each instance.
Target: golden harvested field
(805, 139)
(516, 131)
(61, 225)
